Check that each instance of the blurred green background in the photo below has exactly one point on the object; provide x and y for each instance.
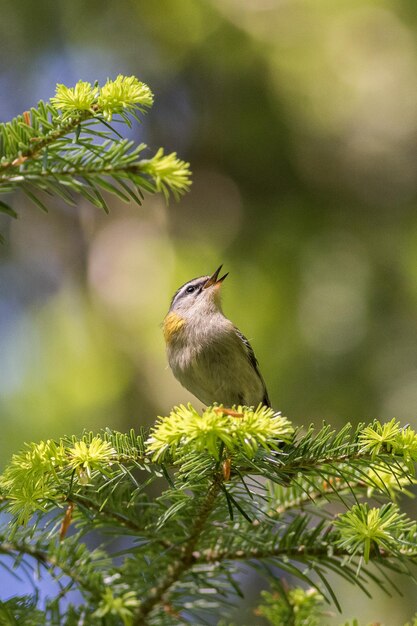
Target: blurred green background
(299, 118)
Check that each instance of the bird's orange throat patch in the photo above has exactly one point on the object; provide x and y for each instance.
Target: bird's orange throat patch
(172, 325)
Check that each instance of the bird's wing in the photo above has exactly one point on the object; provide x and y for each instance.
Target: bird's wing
(254, 362)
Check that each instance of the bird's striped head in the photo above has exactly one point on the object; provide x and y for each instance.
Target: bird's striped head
(193, 301)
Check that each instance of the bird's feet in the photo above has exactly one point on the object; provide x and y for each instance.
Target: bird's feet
(220, 410)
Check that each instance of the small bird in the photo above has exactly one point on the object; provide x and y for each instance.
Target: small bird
(206, 352)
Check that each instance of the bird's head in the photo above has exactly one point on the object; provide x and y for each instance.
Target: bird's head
(194, 301)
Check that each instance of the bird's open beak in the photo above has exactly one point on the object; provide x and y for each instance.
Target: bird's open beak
(214, 280)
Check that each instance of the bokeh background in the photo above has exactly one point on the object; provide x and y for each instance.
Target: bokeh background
(299, 118)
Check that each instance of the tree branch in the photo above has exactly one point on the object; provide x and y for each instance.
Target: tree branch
(39, 143)
(186, 560)
(49, 561)
(298, 553)
(105, 512)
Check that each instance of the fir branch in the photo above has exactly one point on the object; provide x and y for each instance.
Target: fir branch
(11, 548)
(302, 492)
(302, 553)
(18, 154)
(111, 517)
(72, 559)
(218, 511)
(186, 558)
(67, 147)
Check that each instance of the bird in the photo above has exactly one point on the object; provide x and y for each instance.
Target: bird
(206, 352)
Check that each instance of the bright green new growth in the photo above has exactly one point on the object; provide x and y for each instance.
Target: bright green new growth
(31, 478)
(232, 487)
(390, 436)
(86, 457)
(121, 607)
(185, 430)
(377, 436)
(125, 94)
(75, 99)
(67, 147)
(384, 528)
(297, 607)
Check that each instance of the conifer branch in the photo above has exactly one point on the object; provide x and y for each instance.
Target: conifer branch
(187, 557)
(215, 512)
(302, 497)
(11, 548)
(301, 553)
(51, 561)
(68, 146)
(17, 158)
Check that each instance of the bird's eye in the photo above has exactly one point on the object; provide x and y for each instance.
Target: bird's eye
(190, 289)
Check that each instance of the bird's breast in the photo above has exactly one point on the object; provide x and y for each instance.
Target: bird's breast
(173, 323)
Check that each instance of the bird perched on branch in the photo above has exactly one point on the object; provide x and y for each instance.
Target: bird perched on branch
(206, 352)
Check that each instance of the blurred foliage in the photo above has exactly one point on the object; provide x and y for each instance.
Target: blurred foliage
(298, 607)
(298, 117)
